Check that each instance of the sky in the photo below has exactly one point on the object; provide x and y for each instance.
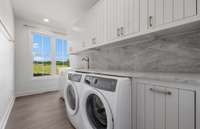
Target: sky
(42, 48)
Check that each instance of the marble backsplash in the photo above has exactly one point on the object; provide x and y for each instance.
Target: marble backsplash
(173, 53)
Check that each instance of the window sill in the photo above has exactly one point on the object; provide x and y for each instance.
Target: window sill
(46, 77)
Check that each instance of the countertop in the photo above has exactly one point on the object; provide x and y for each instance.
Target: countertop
(186, 78)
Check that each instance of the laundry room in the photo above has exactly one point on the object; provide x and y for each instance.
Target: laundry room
(100, 64)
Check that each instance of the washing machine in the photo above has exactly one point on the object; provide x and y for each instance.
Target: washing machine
(106, 102)
(72, 91)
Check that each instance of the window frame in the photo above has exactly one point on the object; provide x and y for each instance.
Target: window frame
(53, 38)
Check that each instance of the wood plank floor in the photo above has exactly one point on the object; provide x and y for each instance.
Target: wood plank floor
(44, 111)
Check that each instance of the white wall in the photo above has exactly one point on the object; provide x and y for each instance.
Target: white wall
(6, 63)
(6, 77)
(6, 15)
(25, 83)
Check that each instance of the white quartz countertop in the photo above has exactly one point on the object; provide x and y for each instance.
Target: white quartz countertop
(186, 78)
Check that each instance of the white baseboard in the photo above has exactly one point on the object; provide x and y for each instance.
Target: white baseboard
(7, 113)
(27, 93)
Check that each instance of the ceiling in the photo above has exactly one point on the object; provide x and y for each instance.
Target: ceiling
(61, 13)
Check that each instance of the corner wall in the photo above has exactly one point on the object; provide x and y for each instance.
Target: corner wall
(7, 95)
(26, 84)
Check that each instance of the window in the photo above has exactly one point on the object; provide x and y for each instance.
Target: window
(41, 55)
(45, 61)
(62, 56)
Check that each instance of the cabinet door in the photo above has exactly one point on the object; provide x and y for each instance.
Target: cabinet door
(172, 109)
(108, 19)
(159, 110)
(111, 7)
(92, 20)
(121, 18)
(97, 38)
(74, 42)
(120, 25)
(164, 108)
(130, 17)
(100, 22)
(85, 32)
(79, 36)
(140, 116)
(127, 17)
(186, 110)
(167, 11)
(149, 108)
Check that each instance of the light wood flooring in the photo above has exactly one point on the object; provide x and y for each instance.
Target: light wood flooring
(44, 111)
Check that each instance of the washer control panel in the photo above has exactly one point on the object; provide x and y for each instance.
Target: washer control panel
(101, 83)
(74, 77)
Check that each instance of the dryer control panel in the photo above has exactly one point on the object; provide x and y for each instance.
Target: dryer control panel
(106, 84)
(74, 77)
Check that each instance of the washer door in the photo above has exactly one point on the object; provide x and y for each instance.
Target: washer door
(71, 98)
(97, 113)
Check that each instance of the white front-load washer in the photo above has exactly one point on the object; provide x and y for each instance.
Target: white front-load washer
(72, 99)
(106, 102)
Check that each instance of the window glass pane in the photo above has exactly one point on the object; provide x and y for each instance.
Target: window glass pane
(59, 58)
(65, 54)
(41, 55)
(37, 54)
(46, 56)
(59, 49)
(65, 47)
(61, 54)
(37, 38)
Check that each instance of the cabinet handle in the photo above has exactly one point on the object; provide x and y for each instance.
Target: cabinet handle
(150, 21)
(160, 91)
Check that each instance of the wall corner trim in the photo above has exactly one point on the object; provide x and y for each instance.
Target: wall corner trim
(7, 113)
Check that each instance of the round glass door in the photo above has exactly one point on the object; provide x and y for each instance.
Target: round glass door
(96, 112)
(71, 97)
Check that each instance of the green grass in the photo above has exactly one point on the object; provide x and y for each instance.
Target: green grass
(44, 68)
(41, 69)
(58, 67)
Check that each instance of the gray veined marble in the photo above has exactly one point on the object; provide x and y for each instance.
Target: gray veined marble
(173, 53)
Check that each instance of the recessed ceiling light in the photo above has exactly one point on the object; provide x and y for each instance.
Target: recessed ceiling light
(46, 20)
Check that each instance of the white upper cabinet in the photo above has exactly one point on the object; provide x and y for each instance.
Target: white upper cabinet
(128, 17)
(79, 35)
(132, 17)
(114, 20)
(111, 18)
(161, 12)
(91, 27)
(122, 18)
(95, 25)
(100, 23)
